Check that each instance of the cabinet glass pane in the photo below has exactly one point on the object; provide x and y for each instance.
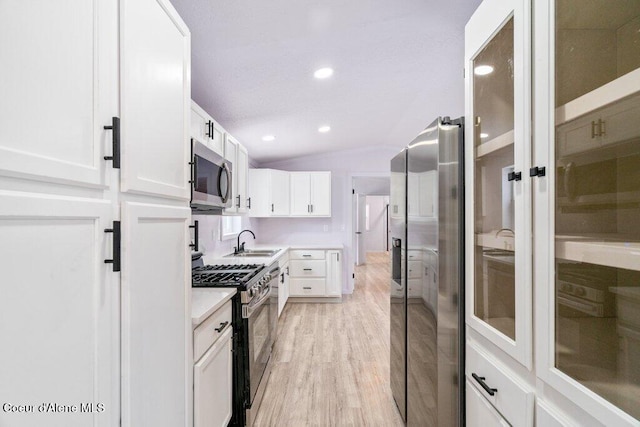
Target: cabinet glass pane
(597, 198)
(493, 99)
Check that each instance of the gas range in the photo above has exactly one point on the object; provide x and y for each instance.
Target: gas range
(255, 309)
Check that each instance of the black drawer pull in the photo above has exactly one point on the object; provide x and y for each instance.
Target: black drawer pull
(306, 287)
(480, 380)
(306, 256)
(307, 269)
(222, 326)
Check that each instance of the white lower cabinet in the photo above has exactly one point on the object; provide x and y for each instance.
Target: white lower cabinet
(283, 284)
(315, 273)
(59, 309)
(500, 386)
(213, 370)
(480, 413)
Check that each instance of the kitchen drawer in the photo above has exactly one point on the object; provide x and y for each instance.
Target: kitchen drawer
(415, 269)
(306, 254)
(415, 288)
(307, 287)
(512, 398)
(205, 334)
(310, 268)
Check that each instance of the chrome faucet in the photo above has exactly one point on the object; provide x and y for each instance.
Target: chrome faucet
(240, 248)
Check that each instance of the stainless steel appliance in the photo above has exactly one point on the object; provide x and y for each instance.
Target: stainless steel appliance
(211, 177)
(426, 212)
(254, 324)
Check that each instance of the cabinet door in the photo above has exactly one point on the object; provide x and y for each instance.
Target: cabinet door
(231, 155)
(498, 185)
(156, 321)
(199, 124)
(280, 192)
(428, 199)
(155, 98)
(413, 194)
(334, 273)
(300, 193)
(213, 385)
(59, 309)
(242, 172)
(480, 413)
(216, 138)
(320, 193)
(587, 233)
(59, 86)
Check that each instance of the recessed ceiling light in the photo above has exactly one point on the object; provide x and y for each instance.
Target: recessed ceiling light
(324, 129)
(483, 70)
(268, 138)
(323, 73)
(484, 135)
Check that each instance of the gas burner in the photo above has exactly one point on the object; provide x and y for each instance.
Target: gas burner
(224, 275)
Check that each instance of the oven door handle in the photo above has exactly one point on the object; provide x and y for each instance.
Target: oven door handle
(248, 310)
(576, 305)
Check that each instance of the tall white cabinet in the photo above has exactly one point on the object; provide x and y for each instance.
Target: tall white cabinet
(84, 323)
(553, 201)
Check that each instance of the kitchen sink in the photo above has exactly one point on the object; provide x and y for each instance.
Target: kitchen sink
(255, 253)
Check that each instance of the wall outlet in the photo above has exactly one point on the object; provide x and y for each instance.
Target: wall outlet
(326, 228)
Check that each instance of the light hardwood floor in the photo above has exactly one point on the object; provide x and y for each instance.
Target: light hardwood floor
(331, 361)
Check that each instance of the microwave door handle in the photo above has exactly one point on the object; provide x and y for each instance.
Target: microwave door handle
(225, 170)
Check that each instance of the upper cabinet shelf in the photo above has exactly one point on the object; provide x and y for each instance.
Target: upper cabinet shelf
(495, 144)
(611, 92)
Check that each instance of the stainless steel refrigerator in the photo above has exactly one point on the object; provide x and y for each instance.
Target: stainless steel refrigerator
(426, 210)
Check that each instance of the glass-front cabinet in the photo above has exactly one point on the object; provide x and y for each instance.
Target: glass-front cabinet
(587, 204)
(498, 188)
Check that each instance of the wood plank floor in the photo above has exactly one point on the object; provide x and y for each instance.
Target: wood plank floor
(331, 361)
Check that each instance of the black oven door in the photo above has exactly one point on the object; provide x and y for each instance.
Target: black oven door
(260, 340)
(211, 177)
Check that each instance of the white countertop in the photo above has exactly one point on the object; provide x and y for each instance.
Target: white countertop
(204, 301)
(282, 249)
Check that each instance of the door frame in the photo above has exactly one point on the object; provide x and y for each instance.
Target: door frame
(352, 223)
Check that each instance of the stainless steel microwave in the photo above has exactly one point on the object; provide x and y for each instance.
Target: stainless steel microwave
(211, 178)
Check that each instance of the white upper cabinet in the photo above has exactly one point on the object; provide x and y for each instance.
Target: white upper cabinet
(59, 309)
(155, 87)
(242, 178)
(59, 86)
(268, 193)
(206, 130)
(310, 193)
(587, 205)
(498, 220)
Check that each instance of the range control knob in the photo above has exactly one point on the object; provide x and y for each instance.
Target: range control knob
(251, 292)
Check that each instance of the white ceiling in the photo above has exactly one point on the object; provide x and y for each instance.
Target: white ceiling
(398, 65)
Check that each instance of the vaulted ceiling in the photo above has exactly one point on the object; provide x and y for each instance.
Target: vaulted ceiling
(398, 65)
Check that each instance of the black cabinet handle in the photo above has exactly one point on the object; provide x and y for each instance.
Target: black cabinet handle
(306, 256)
(282, 278)
(537, 171)
(238, 201)
(514, 176)
(209, 130)
(195, 244)
(249, 203)
(287, 271)
(117, 236)
(222, 326)
(306, 287)
(307, 269)
(115, 142)
(480, 380)
(271, 207)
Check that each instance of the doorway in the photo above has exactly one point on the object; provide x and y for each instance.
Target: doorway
(370, 219)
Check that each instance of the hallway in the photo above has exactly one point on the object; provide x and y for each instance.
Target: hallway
(331, 361)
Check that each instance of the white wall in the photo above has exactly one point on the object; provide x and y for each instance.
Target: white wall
(300, 231)
(374, 238)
